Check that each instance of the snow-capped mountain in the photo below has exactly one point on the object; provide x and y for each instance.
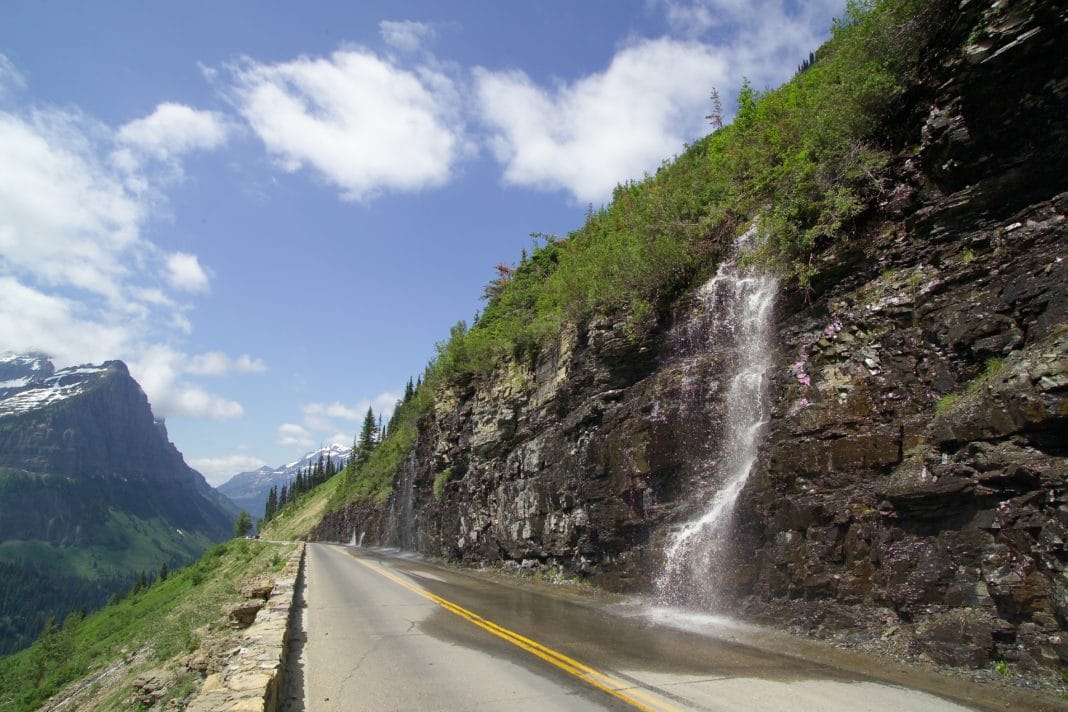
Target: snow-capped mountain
(249, 490)
(30, 382)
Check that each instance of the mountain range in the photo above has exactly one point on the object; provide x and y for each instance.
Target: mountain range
(249, 490)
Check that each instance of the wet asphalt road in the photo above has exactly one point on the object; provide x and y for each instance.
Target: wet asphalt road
(381, 632)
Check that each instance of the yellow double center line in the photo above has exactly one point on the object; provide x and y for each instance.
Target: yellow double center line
(619, 689)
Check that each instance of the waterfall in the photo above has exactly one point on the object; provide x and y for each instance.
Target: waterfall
(737, 304)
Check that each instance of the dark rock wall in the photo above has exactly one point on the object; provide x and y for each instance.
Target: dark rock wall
(914, 474)
(97, 451)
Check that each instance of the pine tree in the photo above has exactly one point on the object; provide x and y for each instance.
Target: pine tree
(163, 572)
(367, 440)
(272, 504)
(409, 391)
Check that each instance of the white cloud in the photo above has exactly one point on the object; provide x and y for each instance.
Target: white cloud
(591, 134)
(216, 363)
(218, 470)
(246, 364)
(361, 122)
(323, 419)
(332, 410)
(65, 219)
(174, 129)
(184, 272)
(33, 320)
(405, 35)
(160, 370)
(764, 40)
(10, 77)
(296, 435)
(195, 402)
(587, 135)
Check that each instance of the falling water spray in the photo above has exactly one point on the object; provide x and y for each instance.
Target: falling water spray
(740, 300)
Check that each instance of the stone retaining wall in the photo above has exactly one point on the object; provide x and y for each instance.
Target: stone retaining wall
(252, 681)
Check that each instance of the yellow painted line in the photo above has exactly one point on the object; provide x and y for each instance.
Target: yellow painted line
(619, 689)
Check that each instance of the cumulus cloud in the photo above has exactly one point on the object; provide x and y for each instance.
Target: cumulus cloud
(65, 219)
(329, 419)
(185, 272)
(216, 363)
(174, 129)
(217, 470)
(33, 320)
(295, 435)
(764, 40)
(361, 122)
(405, 35)
(589, 135)
(161, 370)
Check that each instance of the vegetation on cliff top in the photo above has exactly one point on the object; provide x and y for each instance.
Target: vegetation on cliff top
(802, 160)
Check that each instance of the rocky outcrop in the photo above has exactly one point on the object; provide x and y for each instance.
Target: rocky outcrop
(912, 482)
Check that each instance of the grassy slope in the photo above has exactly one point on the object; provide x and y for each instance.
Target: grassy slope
(156, 626)
(137, 545)
(296, 519)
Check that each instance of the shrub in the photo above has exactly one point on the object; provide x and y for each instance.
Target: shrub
(439, 483)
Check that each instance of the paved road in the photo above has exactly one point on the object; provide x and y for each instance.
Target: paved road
(387, 633)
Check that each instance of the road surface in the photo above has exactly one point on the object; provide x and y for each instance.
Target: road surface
(381, 632)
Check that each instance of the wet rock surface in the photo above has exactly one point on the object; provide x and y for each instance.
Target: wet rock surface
(911, 494)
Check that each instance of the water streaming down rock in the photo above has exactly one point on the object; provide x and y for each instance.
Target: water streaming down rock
(738, 308)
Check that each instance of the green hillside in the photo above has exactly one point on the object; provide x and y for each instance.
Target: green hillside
(149, 629)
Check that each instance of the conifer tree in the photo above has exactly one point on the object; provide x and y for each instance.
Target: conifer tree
(272, 504)
(243, 525)
(368, 438)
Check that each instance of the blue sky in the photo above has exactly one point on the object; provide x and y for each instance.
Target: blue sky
(272, 211)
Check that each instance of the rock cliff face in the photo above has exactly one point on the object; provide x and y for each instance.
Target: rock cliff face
(913, 475)
(78, 443)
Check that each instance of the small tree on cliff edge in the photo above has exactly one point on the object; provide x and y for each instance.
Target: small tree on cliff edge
(243, 525)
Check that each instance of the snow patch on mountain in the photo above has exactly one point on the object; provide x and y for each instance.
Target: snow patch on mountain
(32, 382)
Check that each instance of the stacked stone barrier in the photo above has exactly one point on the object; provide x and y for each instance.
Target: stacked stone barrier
(253, 680)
